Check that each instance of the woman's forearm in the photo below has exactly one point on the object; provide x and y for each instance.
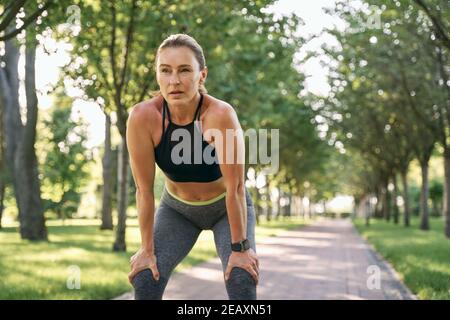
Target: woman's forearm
(146, 208)
(237, 215)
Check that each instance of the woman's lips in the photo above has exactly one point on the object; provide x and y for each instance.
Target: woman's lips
(176, 94)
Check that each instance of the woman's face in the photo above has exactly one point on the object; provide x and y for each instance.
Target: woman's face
(178, 74)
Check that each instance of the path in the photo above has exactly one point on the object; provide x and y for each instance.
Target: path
(324, 260)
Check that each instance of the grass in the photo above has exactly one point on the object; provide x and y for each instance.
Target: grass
(45, 270)
(422, 258)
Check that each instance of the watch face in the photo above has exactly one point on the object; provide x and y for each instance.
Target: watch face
(240, 246)
(236, 247)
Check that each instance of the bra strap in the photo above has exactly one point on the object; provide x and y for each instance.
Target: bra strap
(168, 111)
(163, 118)
(197, 112)
(197, 115)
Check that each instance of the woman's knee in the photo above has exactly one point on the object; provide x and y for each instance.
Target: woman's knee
(146, 287)
(241, 285)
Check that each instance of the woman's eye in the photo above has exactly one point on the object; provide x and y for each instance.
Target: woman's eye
(164, 70)
(185, 70)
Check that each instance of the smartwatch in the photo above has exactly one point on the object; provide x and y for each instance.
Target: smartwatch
(240, 246)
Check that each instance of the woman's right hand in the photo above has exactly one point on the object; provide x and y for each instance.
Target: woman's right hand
(142, 260)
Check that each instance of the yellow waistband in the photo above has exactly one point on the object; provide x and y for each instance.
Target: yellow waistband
(198, 203)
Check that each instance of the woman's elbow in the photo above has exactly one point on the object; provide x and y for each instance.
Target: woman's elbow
(144, 193)
(237, 188)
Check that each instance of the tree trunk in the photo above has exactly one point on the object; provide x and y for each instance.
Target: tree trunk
(2, 198)
(269, 203)
(310, 213)
(108, 182)
(20, 154)
(388, 202)
(445, 121)
(2, 161)
(269, 213)
(446, 205)
(367, 212)
(119, 244)
(258, 205)
(301, 207)
(384, 200)
(278, 215)
(9, 93)
(32, 221)
(379, 205)
(394, 199)
(289, 206)
(424, 211)
(406, 213)
(4, 101)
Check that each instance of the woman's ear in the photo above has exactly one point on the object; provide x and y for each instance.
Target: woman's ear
(204, 74)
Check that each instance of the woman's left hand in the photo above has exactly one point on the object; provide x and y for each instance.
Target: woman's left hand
(247, 260)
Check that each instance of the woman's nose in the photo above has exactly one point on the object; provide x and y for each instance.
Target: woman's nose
(174, 79)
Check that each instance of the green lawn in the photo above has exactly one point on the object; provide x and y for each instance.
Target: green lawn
(30, 270)
(422, 258)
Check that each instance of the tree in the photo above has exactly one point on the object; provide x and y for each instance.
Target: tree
(434, 12)
(403, 105)
(13, 9)
(64, 169)
(19, 138)
(107, 161)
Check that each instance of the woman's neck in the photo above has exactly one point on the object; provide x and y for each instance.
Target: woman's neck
(183, 112)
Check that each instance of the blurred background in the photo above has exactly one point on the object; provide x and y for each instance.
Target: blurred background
(359, 91)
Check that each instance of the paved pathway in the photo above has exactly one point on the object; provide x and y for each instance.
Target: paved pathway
(324, 260)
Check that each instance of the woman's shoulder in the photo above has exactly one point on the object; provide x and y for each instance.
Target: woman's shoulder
(219, 109)
(147, 111)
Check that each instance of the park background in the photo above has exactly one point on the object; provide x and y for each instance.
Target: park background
(358, 89)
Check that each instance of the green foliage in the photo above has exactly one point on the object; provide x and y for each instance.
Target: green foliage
(64, 170)
(388, 98)
(246, 48)
(436, 193)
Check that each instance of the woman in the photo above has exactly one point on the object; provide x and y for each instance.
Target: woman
(197, 195)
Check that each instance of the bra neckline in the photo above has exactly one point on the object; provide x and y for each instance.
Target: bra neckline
(181, 125)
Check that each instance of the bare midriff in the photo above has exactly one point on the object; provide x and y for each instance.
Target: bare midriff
(196, 191)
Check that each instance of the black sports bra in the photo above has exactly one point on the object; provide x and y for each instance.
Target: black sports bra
(198, 164)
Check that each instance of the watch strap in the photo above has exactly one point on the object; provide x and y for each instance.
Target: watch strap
(240, 246)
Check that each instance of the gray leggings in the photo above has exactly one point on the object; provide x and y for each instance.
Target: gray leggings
(177, 227)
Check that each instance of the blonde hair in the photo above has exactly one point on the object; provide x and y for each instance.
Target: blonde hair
(183, 40)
